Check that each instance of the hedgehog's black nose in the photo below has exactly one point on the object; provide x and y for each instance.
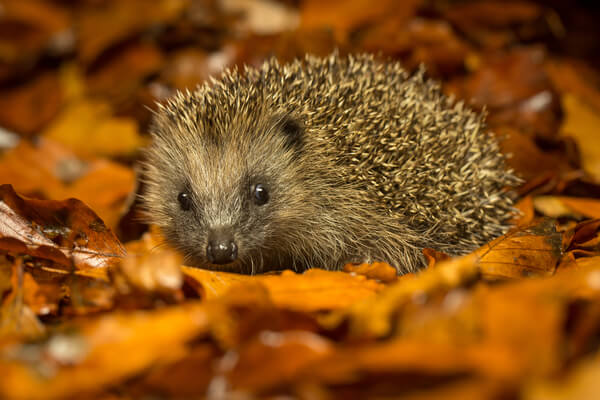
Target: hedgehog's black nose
(221, 248)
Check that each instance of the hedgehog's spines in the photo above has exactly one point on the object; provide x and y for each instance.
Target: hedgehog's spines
(388, 165)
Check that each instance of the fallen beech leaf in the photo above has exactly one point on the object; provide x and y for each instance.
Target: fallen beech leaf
(107, 187)
(416, 41)
(527, 252)
(150, 267)
(494, 13)
(526, 158)
(371, 317)
(189, 67)
(49, 170)
(214, 283)
(65, 232)
(560, 206)
(413, 358)
(572, 77)
(585, 235)
(99, 353)
(184, 378)
(514, 91)
(87, 128)
(313, 290)
(264, 17)
(102, 27)
(27, 109)
(132, 65)
(34, 168)
(316, 289)
(579, 383)
(344, 16)
(285, 352)
(527, 212)
(379, 271)
(582, 123)
(16, 317)
(29, 29)
(434, 256)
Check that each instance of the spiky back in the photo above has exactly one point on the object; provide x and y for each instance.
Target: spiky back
(428, 160)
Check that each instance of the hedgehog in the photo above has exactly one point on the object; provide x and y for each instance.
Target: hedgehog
(322, 162)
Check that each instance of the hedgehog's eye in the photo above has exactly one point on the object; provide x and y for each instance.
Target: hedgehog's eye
(260, 194)
(185, 201)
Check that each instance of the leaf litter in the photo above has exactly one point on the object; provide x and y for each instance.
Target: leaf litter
(95, 305)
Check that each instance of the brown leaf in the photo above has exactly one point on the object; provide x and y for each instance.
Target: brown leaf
(151, 267)
(527, 212)
(189, 67)
(285, 352)
(88, 128)
(213, 283)
(372, 317)
(417, 41)
(379, 271)
(184, 378)
(16, 317)
(526, 252)
(65, 232)
(581, 382)
(103, 27)
(491, 23)
(560, 206)
(314, 290)
(512, 88)
(570, 76)
(345, 16)
(30, 28)
(28, 108)
(132, 65)
(583, 233)
(409, 358)
(526, 158)
(48, 170)
(434, 256)
(582, 123)
(99, 353)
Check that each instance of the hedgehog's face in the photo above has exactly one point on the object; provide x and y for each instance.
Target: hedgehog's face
(226, 199)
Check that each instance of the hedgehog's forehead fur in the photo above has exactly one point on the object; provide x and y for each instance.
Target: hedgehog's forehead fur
(362, 161)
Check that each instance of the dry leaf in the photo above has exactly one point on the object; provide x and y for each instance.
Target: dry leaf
(16, 317)
(88, 128)
(527, 212)
(580, 383)
(344, 16)
(99, 353)
(65, 232)
(47, 169)
(151, 267)
(525, 157)
(100, 28)
(379, 271)
(561, 206)
(132, 64)
(28, 108)
(372, 316)
(288, 353)
(526, 252)
(582, 123)
(313, 290)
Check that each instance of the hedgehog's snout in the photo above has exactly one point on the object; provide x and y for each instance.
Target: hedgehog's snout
(221, 247)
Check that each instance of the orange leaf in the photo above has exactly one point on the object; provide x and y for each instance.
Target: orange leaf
(65, 232)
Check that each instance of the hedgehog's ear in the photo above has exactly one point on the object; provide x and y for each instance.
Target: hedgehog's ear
(293, 131)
